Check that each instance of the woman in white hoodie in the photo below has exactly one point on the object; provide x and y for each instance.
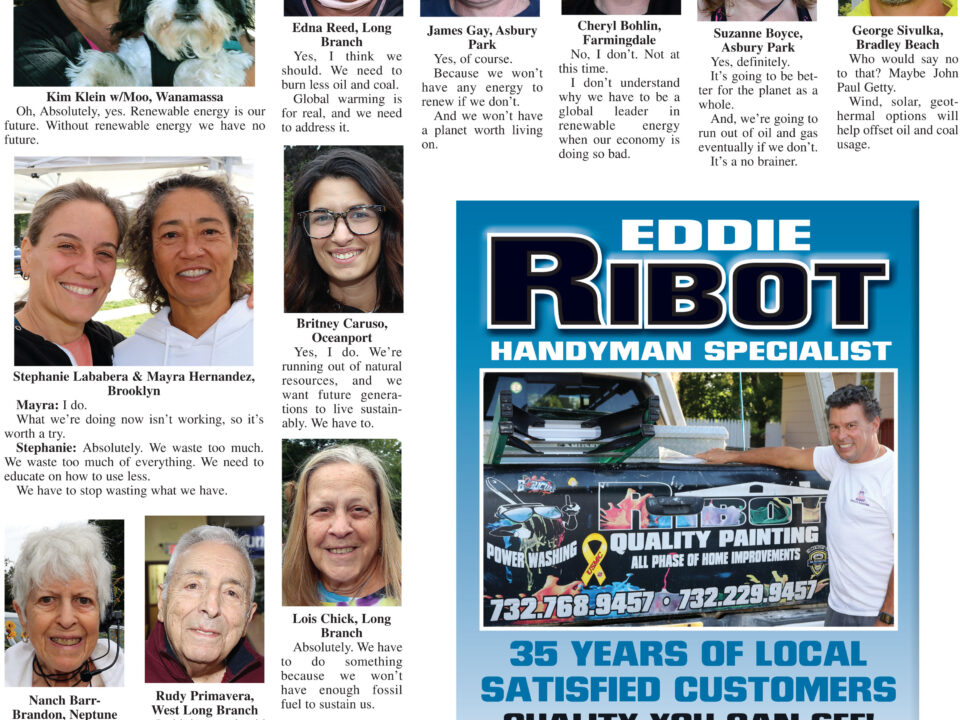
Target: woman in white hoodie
(191, 245)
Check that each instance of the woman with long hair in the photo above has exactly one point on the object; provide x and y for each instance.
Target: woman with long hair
(345, 245)
(343, 545)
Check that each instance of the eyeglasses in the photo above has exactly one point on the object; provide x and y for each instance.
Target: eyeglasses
(360, 220)
(522, 513)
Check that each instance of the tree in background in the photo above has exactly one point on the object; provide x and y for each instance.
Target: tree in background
(296, 452)
(20, 222)
(716, 396)
(113, 545)
(7, 585)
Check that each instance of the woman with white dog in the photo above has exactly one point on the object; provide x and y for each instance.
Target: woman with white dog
(54, 40)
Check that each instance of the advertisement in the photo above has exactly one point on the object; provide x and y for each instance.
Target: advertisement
(624, 553)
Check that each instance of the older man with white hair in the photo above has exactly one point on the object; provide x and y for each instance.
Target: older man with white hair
(206, 605)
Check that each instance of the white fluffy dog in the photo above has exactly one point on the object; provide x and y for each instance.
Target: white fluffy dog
(171, 42)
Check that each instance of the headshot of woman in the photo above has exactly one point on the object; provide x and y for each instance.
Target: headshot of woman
(323, 8)
(345, 244)
(61, 591)
(621, 7)
(343, 545)
(190, 246)
(69, 257)
(757, 10)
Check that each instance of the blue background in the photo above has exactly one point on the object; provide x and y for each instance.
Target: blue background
(848, 230)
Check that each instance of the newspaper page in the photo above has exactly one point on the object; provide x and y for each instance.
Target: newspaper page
(239, 410)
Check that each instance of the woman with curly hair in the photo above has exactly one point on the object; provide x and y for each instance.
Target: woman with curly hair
(191, 246)
(758, 10)
(345, 247)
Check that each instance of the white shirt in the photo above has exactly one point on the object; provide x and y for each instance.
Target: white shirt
(861, 512)
(229, 341)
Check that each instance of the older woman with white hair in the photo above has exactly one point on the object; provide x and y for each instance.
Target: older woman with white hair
(61, 592)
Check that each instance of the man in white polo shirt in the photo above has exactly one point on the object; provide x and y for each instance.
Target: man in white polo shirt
(861, 505)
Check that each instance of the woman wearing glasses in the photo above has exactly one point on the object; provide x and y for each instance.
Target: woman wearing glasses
(345, 247)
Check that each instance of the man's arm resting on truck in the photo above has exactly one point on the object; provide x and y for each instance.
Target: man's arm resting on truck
(887, 606)
(785, 457)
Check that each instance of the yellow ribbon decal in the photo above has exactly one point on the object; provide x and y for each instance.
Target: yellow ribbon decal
(594, 558)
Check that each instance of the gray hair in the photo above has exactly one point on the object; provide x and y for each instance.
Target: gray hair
(210, 533)
(352, 455)
(63, 553)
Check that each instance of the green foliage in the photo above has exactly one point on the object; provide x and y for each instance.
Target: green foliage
(113, 544)
(7, 585)
(716, 396)
(19, 228)
(114, 304)
(846, 7)
(296, 452)
(296, 157)
(126, 326)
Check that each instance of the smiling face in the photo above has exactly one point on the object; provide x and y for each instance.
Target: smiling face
(71, 265)
(343, 529)
(206, 607)
(853, 436)
(63, 622)
(493, 8)
(349, 261)
(193, 249)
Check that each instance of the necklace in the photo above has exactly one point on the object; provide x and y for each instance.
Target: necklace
(772, 10)
(61, 677)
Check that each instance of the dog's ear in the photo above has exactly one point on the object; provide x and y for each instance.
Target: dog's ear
(241, 11)
(133, 14)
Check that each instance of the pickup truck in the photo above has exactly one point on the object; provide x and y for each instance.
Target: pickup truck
(584, 524)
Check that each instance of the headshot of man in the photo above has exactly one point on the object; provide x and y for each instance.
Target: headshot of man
(860, 505)
(904, 8)
(479, 8)
(204, 610)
